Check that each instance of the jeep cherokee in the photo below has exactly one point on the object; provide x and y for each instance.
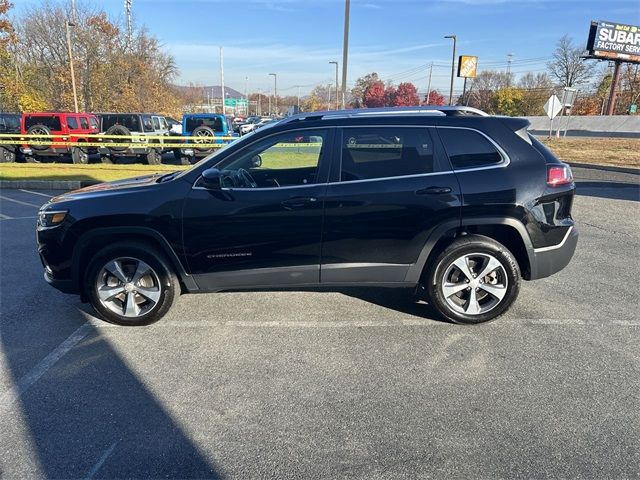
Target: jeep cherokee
(449, 201)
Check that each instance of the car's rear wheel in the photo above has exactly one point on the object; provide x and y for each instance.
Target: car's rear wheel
(131, 284)
(474, 280)
(7, 156)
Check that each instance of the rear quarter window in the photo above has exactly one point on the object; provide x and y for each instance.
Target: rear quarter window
(468, 148)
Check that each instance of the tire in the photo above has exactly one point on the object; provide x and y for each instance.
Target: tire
(153, 157)
(206, 133)
(39, 129)
(478, 254)
(79, 156)
(6, 155)
(130, 302)
(106, 159)
(117, 130)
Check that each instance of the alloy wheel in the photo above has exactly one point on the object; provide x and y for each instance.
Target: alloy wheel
(474, 283)
(128, 287)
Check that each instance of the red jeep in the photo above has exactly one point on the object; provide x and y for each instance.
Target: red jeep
(72, 127)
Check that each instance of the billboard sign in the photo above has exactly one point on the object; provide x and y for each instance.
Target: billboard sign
(467, 66)
(614, 41)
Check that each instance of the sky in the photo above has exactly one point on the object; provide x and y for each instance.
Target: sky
(398, 39)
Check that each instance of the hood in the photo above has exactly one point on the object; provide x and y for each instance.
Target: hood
(107, 188)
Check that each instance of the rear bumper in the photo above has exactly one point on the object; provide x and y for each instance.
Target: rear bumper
(549, 260)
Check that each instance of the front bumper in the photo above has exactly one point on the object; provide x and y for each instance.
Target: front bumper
(549, 260)
(65, 286)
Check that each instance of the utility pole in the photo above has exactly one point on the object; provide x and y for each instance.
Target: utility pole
(298, 97)
(275, 91)
(429, 84)
(345, 52)
(329, 99)
(222, 93)
(337, 86)
(453, 67)
(269, 102)
(127, 8)
(246, 95)
(73, 75)
(259, 110)
(509, 59)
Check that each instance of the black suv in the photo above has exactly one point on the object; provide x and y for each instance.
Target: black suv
(10, 123)
(458, 205)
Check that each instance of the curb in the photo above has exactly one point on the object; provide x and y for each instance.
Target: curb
(610, 168)
(47, 184)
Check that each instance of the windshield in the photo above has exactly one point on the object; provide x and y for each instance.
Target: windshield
(214, 154)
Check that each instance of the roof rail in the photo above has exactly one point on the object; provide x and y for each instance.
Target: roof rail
(449, 111)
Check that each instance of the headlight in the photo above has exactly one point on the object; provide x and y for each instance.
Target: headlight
(51, 218)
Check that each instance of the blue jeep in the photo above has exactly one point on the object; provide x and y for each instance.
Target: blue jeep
(207, 126)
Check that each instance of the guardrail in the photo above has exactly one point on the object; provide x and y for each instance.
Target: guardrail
(136, 140)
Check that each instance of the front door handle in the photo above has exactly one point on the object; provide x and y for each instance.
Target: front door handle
(433, 191)
(298, 202)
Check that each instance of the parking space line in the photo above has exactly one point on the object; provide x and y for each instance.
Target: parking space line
(19, 201)
(35, 193)
(101, 461)
(5, 217)
(12, 394)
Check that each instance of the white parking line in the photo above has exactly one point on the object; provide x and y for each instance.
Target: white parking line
(19, 201)
(5, 217)
(101, 461)
(12, 394)
(35, 193)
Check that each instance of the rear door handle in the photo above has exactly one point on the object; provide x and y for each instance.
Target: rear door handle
(433, 191)
(298, 202)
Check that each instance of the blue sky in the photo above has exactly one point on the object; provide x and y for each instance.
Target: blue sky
(396, 38)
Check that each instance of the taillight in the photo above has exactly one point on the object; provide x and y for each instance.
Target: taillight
(559, 175)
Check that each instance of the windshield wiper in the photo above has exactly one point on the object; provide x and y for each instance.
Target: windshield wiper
(168, 176)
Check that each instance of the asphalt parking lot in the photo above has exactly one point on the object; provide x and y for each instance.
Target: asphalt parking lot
(361, 383)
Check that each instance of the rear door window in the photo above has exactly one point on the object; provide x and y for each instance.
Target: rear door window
(147, 123)
(381, 152)
(72, 123)
(84, 123)
(468, 148)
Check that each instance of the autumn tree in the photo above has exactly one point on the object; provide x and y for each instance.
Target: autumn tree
(568, 68)
(508, 101)
(390, 93)
(359, 90)
(433, 98)
(406, 95)
(536, 88)
(484, 87)
(374, 95)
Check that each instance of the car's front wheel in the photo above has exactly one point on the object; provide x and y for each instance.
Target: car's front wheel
(474, 280)
(131, 284)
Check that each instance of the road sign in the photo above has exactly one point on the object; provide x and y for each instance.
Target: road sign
(552, 107)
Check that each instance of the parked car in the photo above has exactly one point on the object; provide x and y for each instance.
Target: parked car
(72, 127)
(9, 124)
(126, 124)
(206, 126)
(175, 127)
(452, 203)
(249, 125)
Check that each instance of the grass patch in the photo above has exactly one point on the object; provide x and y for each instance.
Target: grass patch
(62, 171)
(623, 152)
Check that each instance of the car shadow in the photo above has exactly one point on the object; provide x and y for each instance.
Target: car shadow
(89, 413)
(612, 190)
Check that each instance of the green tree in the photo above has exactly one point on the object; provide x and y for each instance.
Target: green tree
(508, 101)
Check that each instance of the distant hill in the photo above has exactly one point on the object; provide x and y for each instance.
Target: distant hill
(213, 90)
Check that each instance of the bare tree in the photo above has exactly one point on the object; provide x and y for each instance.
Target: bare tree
(568, 67)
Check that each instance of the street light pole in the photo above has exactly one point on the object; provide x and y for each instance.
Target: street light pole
(345, 52)
(337, 86)
(275, 91)
(224, 110)
(453, 67)
(73, 75)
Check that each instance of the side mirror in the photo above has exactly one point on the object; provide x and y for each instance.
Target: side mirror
(256, 161)
(211, 179)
